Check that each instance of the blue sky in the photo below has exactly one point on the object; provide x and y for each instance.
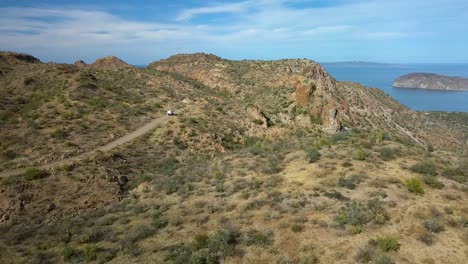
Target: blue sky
(395, 31)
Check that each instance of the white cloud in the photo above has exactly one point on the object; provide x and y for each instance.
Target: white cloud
(225, 8)
(256, 26)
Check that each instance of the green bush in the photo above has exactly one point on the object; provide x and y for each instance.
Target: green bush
(350, 182)
(313, 155)
(255, 237)
(273, 166)
(387, 243)
(297, 228)
(455, 174)
(35, 174)
(433, 182)
(387, 153)
(357, 214)
(159, 221)
(383, 259)
(414, 185)
(361, 154)
(376, 212)
(220, 187)
(426, 167)
(60, 133)
(205, 249)
(69, 253)
(353, 213)
(89, 252)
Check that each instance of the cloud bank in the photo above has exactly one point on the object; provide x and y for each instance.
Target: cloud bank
(321, 30)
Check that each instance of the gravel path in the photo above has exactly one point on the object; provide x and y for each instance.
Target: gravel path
(109, 146)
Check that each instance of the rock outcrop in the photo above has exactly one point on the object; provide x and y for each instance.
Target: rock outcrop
(327, 102)
(17, 58)
(80, 64)
(431, 81)
(110, 63)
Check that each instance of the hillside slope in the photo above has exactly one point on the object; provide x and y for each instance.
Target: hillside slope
(270, 162)
(331, 103)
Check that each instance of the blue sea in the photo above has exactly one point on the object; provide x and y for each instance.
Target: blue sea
(382, 76)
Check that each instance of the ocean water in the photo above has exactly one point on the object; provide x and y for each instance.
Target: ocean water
(382, 76)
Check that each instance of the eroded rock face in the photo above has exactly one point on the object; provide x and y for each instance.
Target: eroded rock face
(257, 114)
(328, 102)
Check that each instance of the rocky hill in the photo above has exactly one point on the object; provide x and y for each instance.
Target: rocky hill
(332, 104)
(109, 63)
(431, 81)
(264, 162)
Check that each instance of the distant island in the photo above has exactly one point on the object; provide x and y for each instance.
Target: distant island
(431, 81)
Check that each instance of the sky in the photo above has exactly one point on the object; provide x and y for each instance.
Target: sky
(139, 32)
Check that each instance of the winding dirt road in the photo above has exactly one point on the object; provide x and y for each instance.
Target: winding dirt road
(109, 146)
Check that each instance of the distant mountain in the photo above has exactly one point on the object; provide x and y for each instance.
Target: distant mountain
(431, 81)
(359, 63)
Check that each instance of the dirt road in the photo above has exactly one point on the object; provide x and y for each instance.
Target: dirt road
(120, 141)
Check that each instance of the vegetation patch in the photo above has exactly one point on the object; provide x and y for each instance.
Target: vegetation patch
(414, 185)
(426, 167)
(35, 174)
(387, 243)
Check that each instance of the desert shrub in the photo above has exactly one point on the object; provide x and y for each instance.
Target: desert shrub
(296, 228)
(365, 254)
(200, 241)
(60, 133)
(383, 259)
(353, 213)
(159, 221)
(387, 153)
(69, 253)
(206, 249)
(89, 252)
(379, 137)
(433, 225)
(414, 185)
(361, 154)
(9, 154)
(180, 254)
(347, 164)
(273, 166)
(426, 167)
(223, 242)
(433, 182)
(335, 138)
(313, 155)
(258, 238)
(94, 234)
(350, 182)
(333, 194)
(455, 174)
(35, 174)
(132, 236)
(426, 238)
(376, 211)
(387, 243)
(430, 148)
(357, 214)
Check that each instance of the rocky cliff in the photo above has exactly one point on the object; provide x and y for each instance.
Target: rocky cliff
(330, 103)
(431, 81)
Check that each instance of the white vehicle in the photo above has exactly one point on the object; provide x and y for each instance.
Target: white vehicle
(170, 112)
